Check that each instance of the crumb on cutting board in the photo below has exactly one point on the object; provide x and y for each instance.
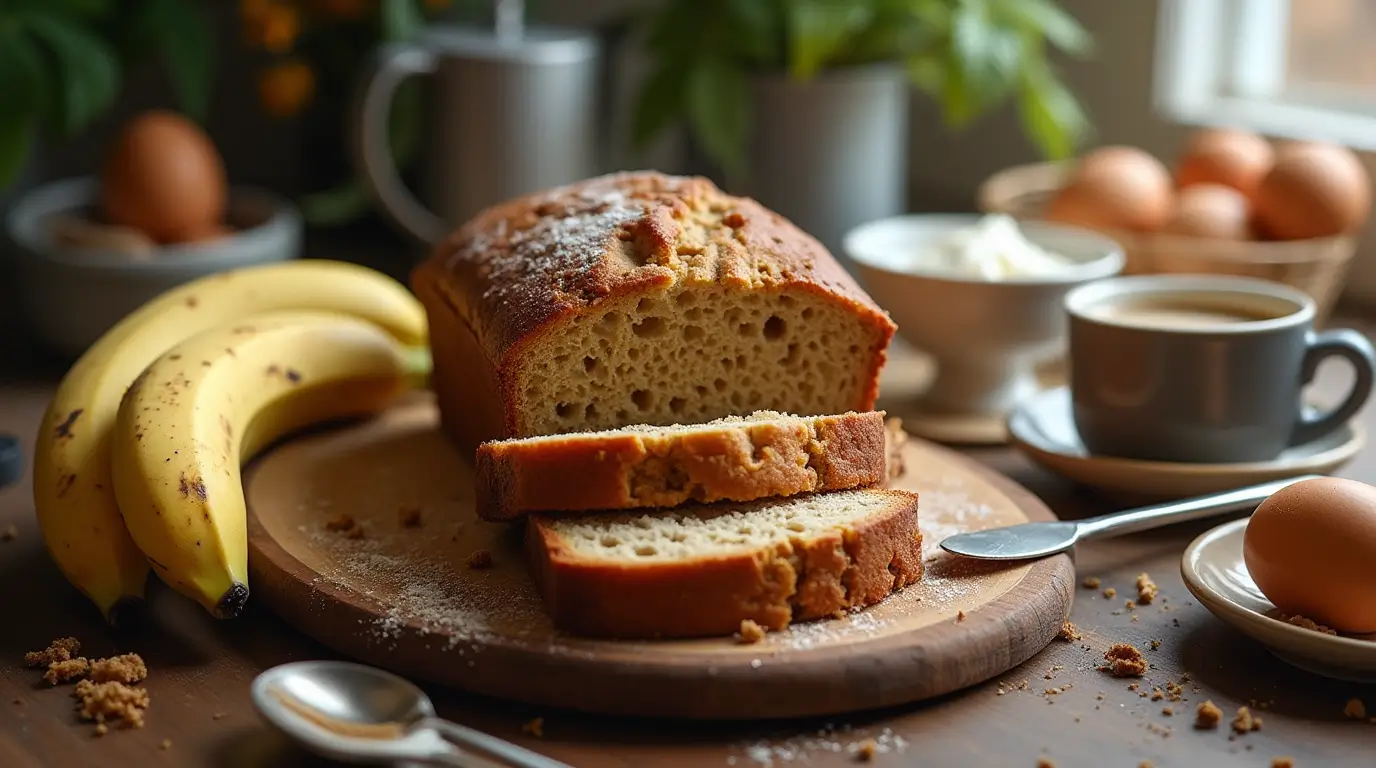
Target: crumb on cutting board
(535, 727)
(1110, 593)
(1091, 582)
(866, 750)
(125, 668)
(480, 559)
(1245, 722)
(1355, 709)
(165, 745)
(1068, 632)
(10, 533)
(750, 632)
(341, 523)
(1282, 762)
(1146, 589)
(102, 702)
(1208, 715)
(960, 616)
(67, 671)
(409, 516)
(61, 649)
(1124, 660)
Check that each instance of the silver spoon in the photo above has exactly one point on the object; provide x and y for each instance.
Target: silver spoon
(356, 713)
(1031, 540)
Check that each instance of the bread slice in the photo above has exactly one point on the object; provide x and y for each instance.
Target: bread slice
(702, 570)
(640, 298)
(735, 458)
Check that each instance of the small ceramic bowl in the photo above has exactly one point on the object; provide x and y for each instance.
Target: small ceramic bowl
(987, 336)
(71, 295)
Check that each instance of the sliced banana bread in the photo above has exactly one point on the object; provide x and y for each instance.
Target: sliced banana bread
(702, 570)
(763, 455)
(641, 298)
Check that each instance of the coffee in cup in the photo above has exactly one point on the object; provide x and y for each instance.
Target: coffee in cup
(1202, 368)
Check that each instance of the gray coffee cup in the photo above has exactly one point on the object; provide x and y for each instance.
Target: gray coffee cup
(1202, 368)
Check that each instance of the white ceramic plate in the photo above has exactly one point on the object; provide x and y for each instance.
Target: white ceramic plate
(1042, 426)
(1217, 576)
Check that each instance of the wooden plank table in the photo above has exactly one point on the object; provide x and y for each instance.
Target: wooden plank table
(201, 669)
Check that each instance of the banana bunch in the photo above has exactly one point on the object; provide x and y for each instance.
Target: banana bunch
(137, 458)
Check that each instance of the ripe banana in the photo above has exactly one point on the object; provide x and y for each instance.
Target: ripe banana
(215, 400)
(73, 493)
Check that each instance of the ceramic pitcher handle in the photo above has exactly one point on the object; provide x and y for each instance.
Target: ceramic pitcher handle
(1356, 348)
(391, 65)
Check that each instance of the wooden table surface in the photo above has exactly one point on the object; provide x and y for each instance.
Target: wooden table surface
(200, 670)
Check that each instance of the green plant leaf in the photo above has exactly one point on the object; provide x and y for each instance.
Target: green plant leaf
(1047, 19)
(336, 206)
(660, 101)
(1051, 115)
(927, 71)
(755, 32)
(987, 55)
(401, 19)
(90, 72)
(718, 110)
(24, 80)
(16, 136)
(184, 36)
(818, 29)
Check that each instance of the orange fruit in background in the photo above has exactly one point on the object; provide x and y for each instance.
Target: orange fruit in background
(164, 177)
(1232, 158)
(1315, 189)
(1115, 187)
(283, 89)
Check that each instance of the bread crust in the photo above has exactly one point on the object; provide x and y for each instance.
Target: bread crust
(510, 277)
(804, 578)
(733, 461)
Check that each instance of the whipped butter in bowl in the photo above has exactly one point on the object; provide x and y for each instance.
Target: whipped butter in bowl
(981, 294)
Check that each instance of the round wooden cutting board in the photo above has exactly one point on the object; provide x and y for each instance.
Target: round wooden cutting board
(395, 590)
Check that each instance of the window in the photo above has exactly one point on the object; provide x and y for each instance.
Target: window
(1283, 67)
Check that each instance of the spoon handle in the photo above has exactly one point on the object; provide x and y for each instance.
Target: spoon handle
(477, 741)
(1145, 518)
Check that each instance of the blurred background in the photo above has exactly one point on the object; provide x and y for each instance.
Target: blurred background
(147, 142)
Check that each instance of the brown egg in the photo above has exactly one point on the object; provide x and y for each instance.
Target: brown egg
(1236, 159)
(1210, 210)
(1313, 190)
(1115, 187)
(163, 176)
(1311, 549)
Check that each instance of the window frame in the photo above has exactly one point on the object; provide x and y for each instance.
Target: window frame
(1216, 65)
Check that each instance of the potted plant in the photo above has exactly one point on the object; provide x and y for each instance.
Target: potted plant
(62, 62)
(803, 104)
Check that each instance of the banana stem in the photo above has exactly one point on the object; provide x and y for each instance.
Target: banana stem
(418, 367)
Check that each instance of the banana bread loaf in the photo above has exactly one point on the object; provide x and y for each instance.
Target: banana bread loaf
(641, 298)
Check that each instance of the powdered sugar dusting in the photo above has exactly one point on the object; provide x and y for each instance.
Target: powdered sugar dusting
(830, 739)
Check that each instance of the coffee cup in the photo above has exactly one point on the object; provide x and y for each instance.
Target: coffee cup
(1202, 368)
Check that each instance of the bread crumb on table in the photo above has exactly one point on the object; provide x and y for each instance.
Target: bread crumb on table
(101, 729)
(341, 523)
(112, 701)
(480, 559)
(219, 715)
(1208, 715)
(1091, 582)
(1304, 622)
(1245, 722)
(866, 751)
(126, 668)
(1155, 644)
(67, 671)
(1045, 763)
(61, 649)
(1168, 711)
(1145, 764)
(1068, 632)
(960, 616)
(750, 632)
(1110, 593)
(1146, 589)
(1282, 762)
(1124, 660)
(10, 533)
(409, 516)
(535, 727)
(1355, 709)
(165, 745)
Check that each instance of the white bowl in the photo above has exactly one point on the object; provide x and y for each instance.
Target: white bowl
(987, 336)
(70, 296)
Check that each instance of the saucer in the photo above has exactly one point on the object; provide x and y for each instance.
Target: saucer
(1214, 572)
(1042, 426)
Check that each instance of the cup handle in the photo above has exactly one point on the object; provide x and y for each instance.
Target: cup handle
(1356, 348)
(391, 65)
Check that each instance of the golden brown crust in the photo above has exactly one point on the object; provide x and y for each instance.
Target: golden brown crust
(516, 270)
(734, 461)
(803, 579)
